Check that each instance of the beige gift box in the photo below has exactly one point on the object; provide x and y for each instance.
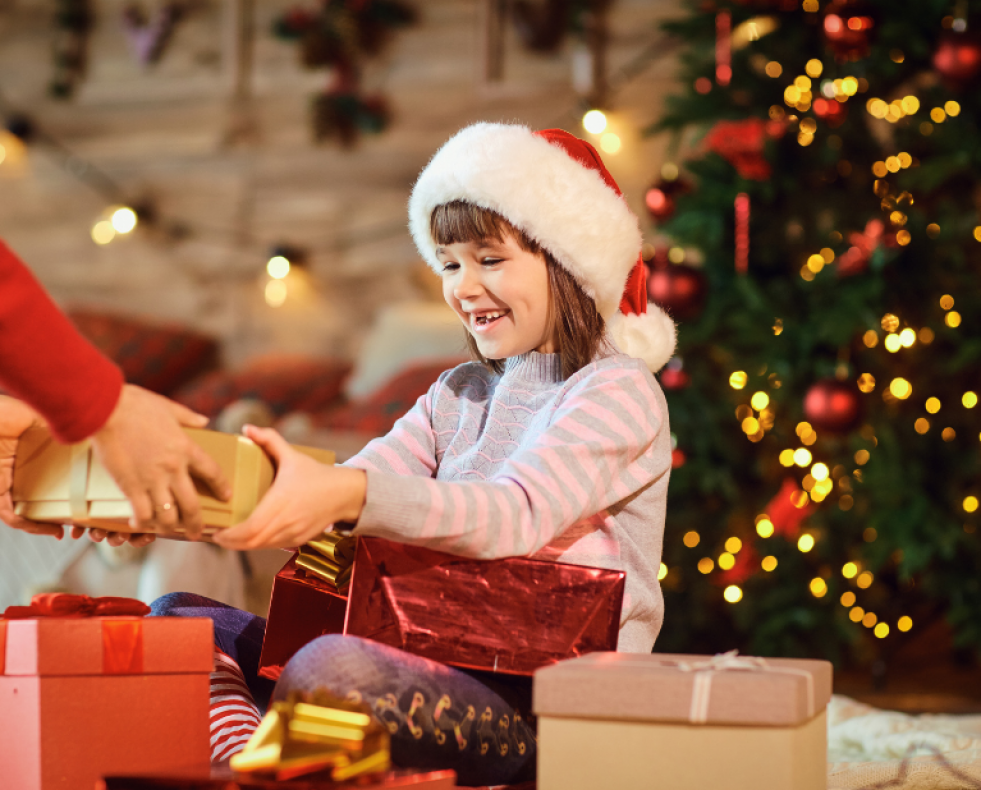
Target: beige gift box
(67, 484)
(682, 722)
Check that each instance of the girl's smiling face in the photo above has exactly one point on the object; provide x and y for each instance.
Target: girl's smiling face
(501, 294)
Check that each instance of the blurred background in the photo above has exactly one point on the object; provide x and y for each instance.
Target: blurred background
(215, 190)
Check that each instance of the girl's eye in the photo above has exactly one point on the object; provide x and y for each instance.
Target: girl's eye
(450, 267)
(490, 261)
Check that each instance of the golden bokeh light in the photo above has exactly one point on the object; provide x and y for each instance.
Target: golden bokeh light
(278, 267)
(900, 388)
(610, 143)
(905, 623)
(733, 594)
(594, 121)
(946, 301)
(871, 338)
(922, 425)
(848, 599)
(820, 472)
(932, 405)
(864, 580)
(726, 561)
(881, 630)
(733, 545)
(970, 504)
(805, 542)
(738, 379)
(856, 614)
(819, 587)
(802, 457)
(969, 400)
(869, 620)
(103, 232)
(907, 337)
(706, 565)
(691, 539)
(662, 572)
(862, 457)
(760, 401)
(769, 563)
(765, 528)
(275, 293)
(849, 570)
(889, 322)
(814, 67)
(953, 319)
(892, 343)
(866, 382)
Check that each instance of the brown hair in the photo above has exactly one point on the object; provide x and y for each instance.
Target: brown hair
(573, 320)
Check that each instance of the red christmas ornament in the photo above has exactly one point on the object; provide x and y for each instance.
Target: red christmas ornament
(783, 511)
(847, 30)
(747, 563)
(679, 289)
(674, 379)
(830, 111)
(833, 405)
(856, 259)
(661, 196)
(958, 58)
(741, 144)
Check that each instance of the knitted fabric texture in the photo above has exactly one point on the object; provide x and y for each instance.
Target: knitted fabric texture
(528, 464)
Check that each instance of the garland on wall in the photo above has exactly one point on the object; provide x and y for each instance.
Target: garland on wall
(73, 22)
(343, 35)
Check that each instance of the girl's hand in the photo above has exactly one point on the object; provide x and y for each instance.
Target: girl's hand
(305, 498)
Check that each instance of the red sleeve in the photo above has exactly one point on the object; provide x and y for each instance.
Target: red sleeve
(45, 362)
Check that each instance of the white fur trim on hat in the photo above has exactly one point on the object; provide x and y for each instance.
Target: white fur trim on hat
(563, 205)
(650, 337)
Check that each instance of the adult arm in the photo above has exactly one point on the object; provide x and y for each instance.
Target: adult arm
(136, 434)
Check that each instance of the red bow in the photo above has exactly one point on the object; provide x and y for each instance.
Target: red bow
(66, 605)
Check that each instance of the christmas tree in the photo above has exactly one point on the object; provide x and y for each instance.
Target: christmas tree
(824, 254)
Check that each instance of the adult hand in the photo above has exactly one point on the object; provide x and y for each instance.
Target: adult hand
(15, 418)
(305, 498)
(151, 459)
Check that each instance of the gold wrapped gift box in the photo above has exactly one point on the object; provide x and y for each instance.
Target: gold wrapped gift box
(67, 484)
(315, 733)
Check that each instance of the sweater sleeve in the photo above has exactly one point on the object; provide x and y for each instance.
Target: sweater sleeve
(598, 450)
(409, 448)
(46, 363)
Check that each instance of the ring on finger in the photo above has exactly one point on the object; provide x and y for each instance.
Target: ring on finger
(166, 506)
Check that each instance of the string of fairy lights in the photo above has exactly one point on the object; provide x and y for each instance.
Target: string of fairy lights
(826, 98)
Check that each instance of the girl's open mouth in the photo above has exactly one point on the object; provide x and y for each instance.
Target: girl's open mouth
(488, 319)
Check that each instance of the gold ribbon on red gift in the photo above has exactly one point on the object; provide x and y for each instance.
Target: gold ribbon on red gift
(725, 662)
(122, 640)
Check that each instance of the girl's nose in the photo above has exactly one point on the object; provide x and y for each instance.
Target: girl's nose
(468, 284)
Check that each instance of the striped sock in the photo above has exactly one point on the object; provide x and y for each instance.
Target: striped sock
(234, 715)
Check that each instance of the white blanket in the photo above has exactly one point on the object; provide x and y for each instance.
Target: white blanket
(867, 746)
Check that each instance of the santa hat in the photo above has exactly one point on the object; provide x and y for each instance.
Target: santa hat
(553, 187)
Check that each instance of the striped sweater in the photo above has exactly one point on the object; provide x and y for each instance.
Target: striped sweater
(530, 464)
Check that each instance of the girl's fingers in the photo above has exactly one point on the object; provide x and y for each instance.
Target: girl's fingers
(269, 440)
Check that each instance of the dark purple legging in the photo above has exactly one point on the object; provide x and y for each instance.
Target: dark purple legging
(440, 717)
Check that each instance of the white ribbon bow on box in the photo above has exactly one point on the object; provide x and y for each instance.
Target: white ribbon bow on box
(705, 670)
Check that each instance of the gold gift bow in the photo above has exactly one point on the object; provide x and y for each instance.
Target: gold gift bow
(298, 737)
(329, 557)
(705, 670)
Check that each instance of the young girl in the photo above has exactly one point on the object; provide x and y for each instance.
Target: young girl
(554, 444)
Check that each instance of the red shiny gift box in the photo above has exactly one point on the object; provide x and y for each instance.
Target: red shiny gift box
(302, 608)
(514, 615)
(83, 696)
